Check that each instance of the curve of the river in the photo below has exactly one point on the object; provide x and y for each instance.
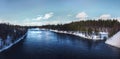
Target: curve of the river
(43, 44)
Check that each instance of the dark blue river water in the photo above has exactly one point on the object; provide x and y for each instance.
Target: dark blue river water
(49, 45)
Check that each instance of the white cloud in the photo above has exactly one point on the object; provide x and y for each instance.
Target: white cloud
(82, 15)
(46, 16)
(3, 20)
(39, 18)
(36, 23)
(7, 21)
(118, 18)
(105, 16)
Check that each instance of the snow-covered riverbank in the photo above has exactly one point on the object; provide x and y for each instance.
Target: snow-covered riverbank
(114, 40)
(11, 44)
(83, 35)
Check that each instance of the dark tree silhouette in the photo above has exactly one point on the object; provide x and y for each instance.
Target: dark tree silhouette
(111, 26)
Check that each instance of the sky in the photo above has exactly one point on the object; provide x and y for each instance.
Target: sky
(42, 12)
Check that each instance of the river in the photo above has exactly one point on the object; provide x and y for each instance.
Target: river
(43, 44)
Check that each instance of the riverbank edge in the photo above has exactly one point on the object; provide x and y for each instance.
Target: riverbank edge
(114, 40)
(17, 41)
(64, 32)
(76, 34)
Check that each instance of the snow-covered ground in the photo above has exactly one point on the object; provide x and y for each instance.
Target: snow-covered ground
(11, 44)
(115, 40)
(83, 35)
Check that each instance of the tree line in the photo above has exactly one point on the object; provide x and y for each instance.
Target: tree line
(13, 31)
(110, 26)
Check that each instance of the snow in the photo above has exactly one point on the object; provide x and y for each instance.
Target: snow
(8, 40)
(0, 41)
(103, 33)
(80, 34)
(10, 45)
(15, 30)
(115, 40)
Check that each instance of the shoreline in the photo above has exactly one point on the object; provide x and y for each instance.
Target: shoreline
(9, 46)
(92, 37)
(114, 40)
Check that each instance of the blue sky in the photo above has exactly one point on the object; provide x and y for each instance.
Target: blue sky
(41, 12)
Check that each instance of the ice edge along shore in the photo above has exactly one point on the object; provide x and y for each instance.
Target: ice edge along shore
(9, 46)
(92, 37)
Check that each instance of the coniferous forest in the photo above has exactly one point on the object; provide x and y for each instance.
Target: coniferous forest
(10, 33)
(110, 26)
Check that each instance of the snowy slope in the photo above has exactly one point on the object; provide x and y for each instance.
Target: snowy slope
(115, 40)
(80, 34)
(10, 45)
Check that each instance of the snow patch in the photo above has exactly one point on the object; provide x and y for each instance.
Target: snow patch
(10, 45)
(115, 40)
(83, 35)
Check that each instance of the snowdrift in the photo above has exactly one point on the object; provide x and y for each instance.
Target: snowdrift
(115, 40)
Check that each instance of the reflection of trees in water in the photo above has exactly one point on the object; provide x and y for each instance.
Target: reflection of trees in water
(74, 40)
(92, 44)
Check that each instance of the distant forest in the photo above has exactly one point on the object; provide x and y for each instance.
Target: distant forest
(15, 31)
(110, 26)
